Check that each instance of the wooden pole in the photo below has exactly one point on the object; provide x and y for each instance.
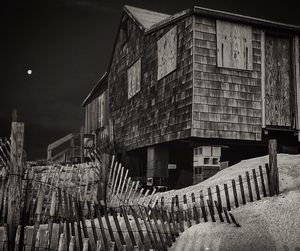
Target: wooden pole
(15, 179)
(274, 178)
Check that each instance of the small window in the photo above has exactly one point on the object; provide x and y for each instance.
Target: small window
(215, 161)
(206, 161)
(134, 78)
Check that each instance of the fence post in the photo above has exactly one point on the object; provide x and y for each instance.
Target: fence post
(274, 179)
(15, 179)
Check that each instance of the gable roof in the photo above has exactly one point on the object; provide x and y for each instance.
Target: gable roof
(145, 18)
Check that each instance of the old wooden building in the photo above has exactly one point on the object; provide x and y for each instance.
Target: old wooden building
(189, 90)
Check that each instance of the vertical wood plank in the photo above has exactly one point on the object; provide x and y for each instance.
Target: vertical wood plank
(157, 216)
(219, 210)
(262, 181)
(128, 226)
(137, 223)
(185, 211)
(90, 215)
(249, 186)
(297, 80)
(242, 190)
(210, 198)
(263, 79)
(110, 231)
(226, 215)
(227, 197)
(102, 230)
(210, 209)
(195, 211)
(158, 229)
(236, 201)
(219, 198)
(179, 214)
(256, 184)
(202, 205)
(120, 233)
(153, 240)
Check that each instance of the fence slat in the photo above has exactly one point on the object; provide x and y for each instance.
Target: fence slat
(179, 214)
(236, 201)
(256, 184)
(202, 205)
(262, 181)
(186, 211)
(219, 198)
(159, 217)
(210, 198)
(90, 215)
(226, 215)
(116, 220)
(210, 209)
(195, 211)
(137, 223)
(110, 231)
(249, 186)
(128, 226)
(219, 211)
(152, 239)
(158, 229)
(227, 197)
(242, 190)
(103, 235)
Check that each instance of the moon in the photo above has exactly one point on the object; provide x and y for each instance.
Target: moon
(29, 72)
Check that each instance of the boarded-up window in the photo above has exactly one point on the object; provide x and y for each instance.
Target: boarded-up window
(234, 44)
(134, 78)
(167, 53)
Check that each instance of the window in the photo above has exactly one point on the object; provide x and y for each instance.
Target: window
(167, 53)
(134, 78)
(234, 45)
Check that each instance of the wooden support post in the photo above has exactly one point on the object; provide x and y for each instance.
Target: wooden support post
(262, 181)
(249, 186)
(256, 184)
(242, 189)
(103, 235)
(227, 197)
(274, 178)
(15, 179)
(236, 201)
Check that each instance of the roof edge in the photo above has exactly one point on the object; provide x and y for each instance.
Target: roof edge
(244, 19)
(103, 77)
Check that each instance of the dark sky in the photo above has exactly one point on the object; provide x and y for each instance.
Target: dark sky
(67, 44)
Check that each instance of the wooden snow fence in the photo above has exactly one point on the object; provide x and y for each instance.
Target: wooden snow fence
(209, 204)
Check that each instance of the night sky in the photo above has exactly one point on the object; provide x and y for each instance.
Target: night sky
(67, 45)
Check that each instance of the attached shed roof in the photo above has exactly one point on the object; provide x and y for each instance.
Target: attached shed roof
(146, 18)
(99, 88)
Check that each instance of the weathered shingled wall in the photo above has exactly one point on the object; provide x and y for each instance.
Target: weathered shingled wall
(162, 110)
(227, 103)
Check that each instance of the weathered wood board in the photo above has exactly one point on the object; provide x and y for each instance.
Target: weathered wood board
(278, 81)
(134, 78)
(167, 53)
(234, 45)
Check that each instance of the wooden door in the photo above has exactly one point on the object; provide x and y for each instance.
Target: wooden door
(278, 81)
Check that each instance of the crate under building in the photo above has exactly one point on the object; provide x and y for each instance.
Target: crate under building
(188, 91)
